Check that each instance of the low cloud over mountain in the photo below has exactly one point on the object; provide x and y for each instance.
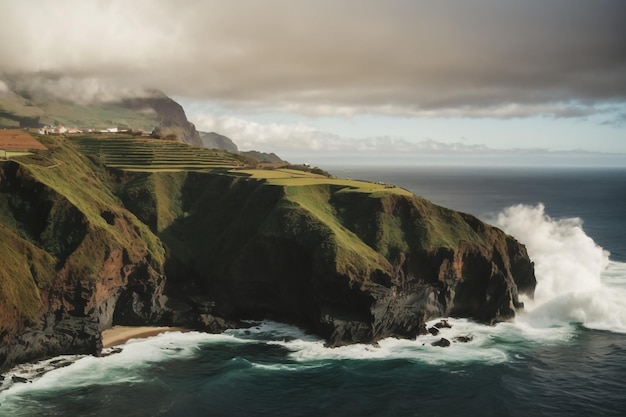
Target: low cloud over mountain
(481, 58)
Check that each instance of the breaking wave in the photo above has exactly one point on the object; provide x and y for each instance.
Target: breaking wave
(576, 281)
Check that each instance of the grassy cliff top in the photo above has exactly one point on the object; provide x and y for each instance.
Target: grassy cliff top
(154, 155)
(296, 178)
(334, 201)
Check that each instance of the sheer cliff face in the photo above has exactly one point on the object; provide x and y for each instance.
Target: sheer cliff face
(83, 248)
(70, 255)
(214, 140)
(171, 117)
(351, 266)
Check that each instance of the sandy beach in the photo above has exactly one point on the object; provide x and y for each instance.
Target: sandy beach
(119, 335)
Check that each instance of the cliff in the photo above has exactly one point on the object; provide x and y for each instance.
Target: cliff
(264, 157)
(84, 247)
(349, 264)
(170, 116)
(214, 140)
(68, 252)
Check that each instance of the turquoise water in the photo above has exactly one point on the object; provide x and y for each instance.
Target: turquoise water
(565, 356)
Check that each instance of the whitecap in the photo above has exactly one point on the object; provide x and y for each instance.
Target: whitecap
(576, 281)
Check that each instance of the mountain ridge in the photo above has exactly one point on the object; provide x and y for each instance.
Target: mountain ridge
(26, 104)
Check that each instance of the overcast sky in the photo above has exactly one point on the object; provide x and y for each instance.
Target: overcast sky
(358, 77)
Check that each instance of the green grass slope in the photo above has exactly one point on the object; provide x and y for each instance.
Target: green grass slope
(25, 269)
(59, 217)
(67, 171)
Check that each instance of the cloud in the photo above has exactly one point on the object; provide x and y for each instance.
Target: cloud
(79, 90)
(618, 119)
(480, 58)
(503, 111)
(299, 142)
(270, 137)
(298, 137)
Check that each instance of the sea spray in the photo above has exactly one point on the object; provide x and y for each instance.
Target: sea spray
(570, 268)
(566, 259)
(615, 275)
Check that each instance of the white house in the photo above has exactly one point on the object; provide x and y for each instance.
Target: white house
(52, 130)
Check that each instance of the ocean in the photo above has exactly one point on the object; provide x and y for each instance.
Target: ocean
(564, 356)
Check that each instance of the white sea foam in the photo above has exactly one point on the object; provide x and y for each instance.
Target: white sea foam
(33, 371)
(576, 282)
(615, 275)
(270, 330)
(124, 366)
(488, 344)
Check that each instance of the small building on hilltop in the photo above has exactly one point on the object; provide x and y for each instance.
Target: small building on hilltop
(57, 130)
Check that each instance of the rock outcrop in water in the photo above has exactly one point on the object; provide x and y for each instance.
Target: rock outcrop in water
(83, 247)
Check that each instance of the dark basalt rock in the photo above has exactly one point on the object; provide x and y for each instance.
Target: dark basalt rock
(433, 330)
(463, 339)
(443, 324)
(69, 336)
(19, 379)
(60, 363)
(443, 342)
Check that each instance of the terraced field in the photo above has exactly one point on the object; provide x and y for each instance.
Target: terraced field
(152, 155)
(155, 155)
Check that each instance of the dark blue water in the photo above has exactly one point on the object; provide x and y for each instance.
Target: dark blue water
(541, 364)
